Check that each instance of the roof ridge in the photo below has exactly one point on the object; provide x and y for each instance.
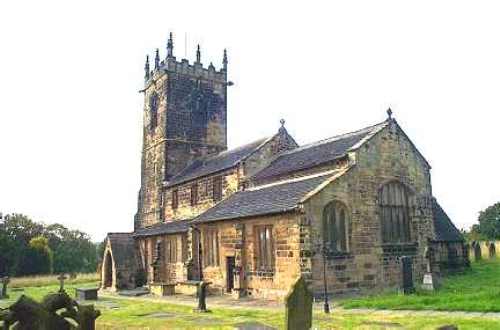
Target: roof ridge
(335, 138)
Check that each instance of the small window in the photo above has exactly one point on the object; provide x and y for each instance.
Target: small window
(211, 247)
(335, 227)
(217, 188)
(264, 248)
(171, 249)
(175, 199)
(194, 194)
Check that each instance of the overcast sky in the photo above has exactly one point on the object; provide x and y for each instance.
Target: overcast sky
(70, 111)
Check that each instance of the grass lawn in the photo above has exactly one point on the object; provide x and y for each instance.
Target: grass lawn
(477, 290)
(144, 313)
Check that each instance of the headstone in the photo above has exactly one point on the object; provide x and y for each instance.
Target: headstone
(202, 295)
(492, 250)
(430, 280)
(407, 267)
(466, 253)
(477, 251)
(298, 304)
(61, 279)
(3, 293)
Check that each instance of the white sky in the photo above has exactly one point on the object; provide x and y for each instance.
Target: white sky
(70, 113)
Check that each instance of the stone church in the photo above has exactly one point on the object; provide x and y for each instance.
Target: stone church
(250, 220)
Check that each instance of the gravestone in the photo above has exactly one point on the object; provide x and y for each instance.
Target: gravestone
(492, 250)
(61, 279)
(86, 293)
(298, 304)
(3, 293)
(202, 296)
(407, 268)
(477, 251)
(430, 279)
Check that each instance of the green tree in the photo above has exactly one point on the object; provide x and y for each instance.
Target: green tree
(489, 222)
(38, 258)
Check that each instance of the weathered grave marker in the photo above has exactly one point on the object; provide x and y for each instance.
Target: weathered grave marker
(61, 279)
(477, 251)
(430, 280)
(4, 280)
(407, 267)
(492, 250)
(298, 304)
(202, 295)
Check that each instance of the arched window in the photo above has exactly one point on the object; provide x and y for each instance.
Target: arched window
(335, 227)
(153, 111)
(394, 213)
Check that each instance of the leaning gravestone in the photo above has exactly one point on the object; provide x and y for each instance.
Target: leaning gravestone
(477, 251)
(492, 250)
(3, 293)
(298, 304)
(202, 296)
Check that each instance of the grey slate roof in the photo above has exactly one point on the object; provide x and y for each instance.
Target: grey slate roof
(316, 153)
(122, 247)
(445, 229)
(172, 227)
(215, 163)
(281, 197)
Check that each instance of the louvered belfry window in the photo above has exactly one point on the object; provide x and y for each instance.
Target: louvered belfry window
(394, 213)
(335, 229)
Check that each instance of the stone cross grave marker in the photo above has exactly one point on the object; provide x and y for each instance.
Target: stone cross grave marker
(492, 250)
(406, 263)
(298, 304)
(61, 279)
(202, 296)
(477, 251)
(4, 280)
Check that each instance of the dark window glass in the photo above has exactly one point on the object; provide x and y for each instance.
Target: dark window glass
(394, 213)
(264, 248)
(175, 199)
(217, 188)
(335, 227)
(194, 194)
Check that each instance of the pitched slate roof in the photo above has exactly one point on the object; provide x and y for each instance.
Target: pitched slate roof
(317, 153)
(164, 228)
(445, 229)
(215, 163)
(264, 200)
(122, 248)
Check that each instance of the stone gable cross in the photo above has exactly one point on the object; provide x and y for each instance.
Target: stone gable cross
(61, 279)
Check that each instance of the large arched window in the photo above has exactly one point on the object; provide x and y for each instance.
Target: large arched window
(153, 111)
(394, 213)
(335, 227)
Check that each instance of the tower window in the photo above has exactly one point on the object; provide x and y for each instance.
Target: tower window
(153, 111)
(175, 199)
(394, 213)
(217, 188)
(194, 194)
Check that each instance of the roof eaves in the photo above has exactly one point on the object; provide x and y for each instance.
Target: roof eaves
(246, 216)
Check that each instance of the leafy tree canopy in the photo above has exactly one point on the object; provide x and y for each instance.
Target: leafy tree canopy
(489, 222)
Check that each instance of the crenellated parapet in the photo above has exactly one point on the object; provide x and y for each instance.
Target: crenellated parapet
(196, 70)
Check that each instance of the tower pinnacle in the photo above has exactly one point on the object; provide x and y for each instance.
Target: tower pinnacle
(224, 60)
(170, 46)
(146, 68)
(157, 59)
(198, 54)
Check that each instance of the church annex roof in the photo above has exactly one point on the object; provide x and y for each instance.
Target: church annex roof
(317, 153)
(445, 229)
(122, 248)
(269, 199)
(216, 163)
(164, 228)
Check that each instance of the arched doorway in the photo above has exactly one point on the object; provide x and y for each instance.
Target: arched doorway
(108, 271)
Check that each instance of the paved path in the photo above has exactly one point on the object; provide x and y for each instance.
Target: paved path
(227, 301)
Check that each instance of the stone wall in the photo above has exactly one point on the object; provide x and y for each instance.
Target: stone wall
(237, 239)
(369, 264)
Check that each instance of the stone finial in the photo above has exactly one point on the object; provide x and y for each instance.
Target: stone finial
(61, 279)
(224, 60)
(157, 59)
(211, 67)
(282, 127)
(170, 46)
(146, 68)
(198, 54)
(389, 113)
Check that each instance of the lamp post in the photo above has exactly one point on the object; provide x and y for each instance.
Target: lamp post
(324, 253)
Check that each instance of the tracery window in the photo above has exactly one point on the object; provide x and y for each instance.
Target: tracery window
(153, 111)
(211, 247)
(395, 213)
(175, 199)
(194, 194)
(217, 188)
(264, 248)
(335, 227)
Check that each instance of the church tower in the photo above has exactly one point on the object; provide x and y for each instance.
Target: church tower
(184, 117)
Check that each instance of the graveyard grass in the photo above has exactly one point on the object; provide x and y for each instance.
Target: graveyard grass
(477, 290)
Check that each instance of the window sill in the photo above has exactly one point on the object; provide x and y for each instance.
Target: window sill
(400, 248)
(262, 274)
